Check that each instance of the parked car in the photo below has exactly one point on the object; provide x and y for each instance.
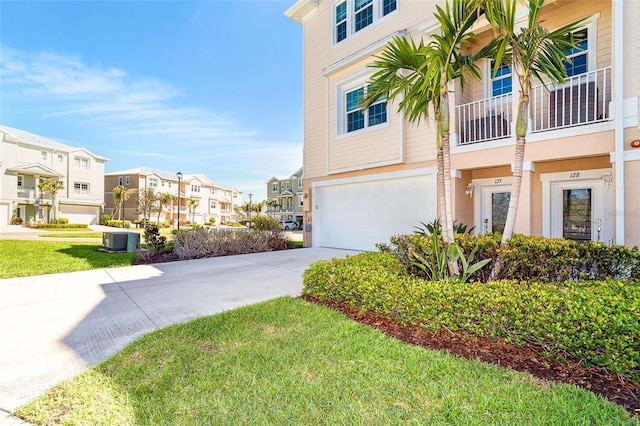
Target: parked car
(289, 225)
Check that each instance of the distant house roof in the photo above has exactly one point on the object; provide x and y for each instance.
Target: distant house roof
(36, 140)
(144, 171)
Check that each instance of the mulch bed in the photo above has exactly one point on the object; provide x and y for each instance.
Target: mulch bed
(528, 359)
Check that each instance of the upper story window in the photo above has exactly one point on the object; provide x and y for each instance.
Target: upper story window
(578, 55)
(235, 194)
(213, 205)
(195, 188)
(120, 180)
(355, 118)
(501, 82)
(351, 16)
(60, 158)
(287, 185)
(43, 155)
(281, 186)
(212, 191)
(81, 163)
(127, 181)
(299, 182)
(153, 182)
(274, 187)
(20, 181)
(80, 188)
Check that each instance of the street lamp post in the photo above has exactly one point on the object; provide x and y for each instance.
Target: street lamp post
(250, 196)
(179, 176)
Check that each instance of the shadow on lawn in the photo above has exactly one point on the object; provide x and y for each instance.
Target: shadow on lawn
(98, 259)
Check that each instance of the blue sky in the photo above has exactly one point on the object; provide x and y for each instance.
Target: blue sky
(212, 87)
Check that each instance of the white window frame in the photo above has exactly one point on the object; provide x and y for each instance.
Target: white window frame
(120, 180)
(43, 155)
(349, 85)
(195, 188)
(60, 158)
(152, 182)
(81, 188)
(20, 181)
(81, 163)
(127, 181)
(274, 187)
(378, 10)
(299, 182)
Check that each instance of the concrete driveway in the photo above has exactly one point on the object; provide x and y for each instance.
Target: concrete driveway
(52, 327)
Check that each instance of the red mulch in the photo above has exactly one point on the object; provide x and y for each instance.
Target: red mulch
(529, 359)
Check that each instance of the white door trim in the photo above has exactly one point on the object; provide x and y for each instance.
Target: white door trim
(482, 187)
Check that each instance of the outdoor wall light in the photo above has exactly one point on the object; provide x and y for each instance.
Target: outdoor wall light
(469, 190)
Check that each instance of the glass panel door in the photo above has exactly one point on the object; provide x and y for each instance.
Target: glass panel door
(495, 206)
(577, 214)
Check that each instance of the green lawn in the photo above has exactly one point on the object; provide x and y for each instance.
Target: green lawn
(287, 361)
(21, 258)
(72, 235)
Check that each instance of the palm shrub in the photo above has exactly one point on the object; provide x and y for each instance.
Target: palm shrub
(156, 243)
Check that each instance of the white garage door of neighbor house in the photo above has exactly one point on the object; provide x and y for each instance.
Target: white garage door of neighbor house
(79, 214)
(358, 215)
(4, 214)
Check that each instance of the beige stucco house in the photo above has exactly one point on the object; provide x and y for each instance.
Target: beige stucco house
(200, 198)
(287, 196)
(372, 174)
(27, 159)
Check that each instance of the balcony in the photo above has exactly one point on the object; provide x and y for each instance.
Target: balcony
(582, 99)
(484, 120)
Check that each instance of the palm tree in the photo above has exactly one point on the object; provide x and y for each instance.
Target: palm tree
(42, 188)
(532, 52)
(420, 75)
(257, 207)
(120, 195)
(53, 186)
(272, 205)
(192, 204)
(164, 199)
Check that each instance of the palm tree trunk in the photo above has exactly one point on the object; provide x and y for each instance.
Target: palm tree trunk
(516, 185)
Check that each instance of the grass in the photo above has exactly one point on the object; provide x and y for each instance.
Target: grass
(72, 235)
(287, 361)
(21, 258)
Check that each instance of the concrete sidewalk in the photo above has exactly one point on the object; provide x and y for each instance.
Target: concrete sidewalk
(52, 327)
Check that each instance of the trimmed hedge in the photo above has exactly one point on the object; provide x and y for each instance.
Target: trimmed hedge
(597, 322)
(59, 225)
(118, 223)
(534, 258)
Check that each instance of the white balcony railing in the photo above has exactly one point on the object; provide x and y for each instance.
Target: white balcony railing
(582, 99)
(484, 120)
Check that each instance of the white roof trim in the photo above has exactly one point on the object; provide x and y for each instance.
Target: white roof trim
(300, 9)
(367, 51)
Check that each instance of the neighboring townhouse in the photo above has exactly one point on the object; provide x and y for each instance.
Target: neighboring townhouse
(26, 159)
(285, 197)
(200, 198)
(372, 174)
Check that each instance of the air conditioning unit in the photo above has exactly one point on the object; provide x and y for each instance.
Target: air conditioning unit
(121, 241)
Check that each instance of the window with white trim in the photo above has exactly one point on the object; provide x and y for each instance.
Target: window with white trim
(299, 182)
(127, 181)
(274, 187)
(352, 117)
(195, 188)
(287, 184)
(212, 191)
(501, 82)
(579, 55)
(60, 158)
(80, 188)
(153, 182)
(351, 16)
(81, 163)
(43, 155)
(120, 180)
(20, 181)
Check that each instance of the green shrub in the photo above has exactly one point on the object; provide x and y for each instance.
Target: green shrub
(266, 223)
(597, 322)
(212, 220)
(59, 226)
(530, 258)
(119, 224)
(63, 220)
(16, 220)
(105, 218)
(155, 242)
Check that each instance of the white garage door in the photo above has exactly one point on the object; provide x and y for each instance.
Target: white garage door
(79, 214)
(4, 214)
(357, 215)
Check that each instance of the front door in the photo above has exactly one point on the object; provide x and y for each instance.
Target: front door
(495, 204)
(577, 210)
